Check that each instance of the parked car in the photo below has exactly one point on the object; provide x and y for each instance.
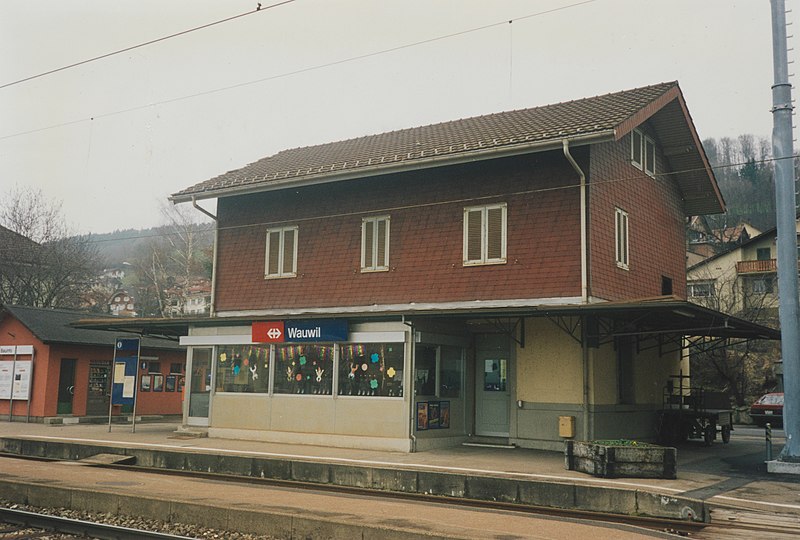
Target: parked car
(768, 409)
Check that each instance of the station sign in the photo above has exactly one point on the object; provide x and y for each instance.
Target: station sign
(11, 350)
(300, 331)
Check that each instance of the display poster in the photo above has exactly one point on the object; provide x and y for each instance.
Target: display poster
(126, 363)
(16, 385)
(433, 415)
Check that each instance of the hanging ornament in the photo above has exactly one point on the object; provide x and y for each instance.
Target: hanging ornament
(303, 360)
(374, 358)
(319, 372)
(223, 357)
(364, 366)
(390, 372)
(253, 370)
(298, 377)
(288, 373)
(373, 384)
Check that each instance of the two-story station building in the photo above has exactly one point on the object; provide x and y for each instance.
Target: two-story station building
(517, 277)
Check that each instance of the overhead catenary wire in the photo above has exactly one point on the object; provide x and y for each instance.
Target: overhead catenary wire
(297, 71)
(146, 43)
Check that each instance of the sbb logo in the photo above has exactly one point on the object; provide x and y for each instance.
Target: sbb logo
(268, 332)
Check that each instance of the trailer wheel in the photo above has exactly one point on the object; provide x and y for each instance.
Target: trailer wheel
(726, 434)
(709, 433)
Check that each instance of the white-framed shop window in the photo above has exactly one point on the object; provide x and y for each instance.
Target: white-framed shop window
(375, 244)
(281, 258)
(485, 232)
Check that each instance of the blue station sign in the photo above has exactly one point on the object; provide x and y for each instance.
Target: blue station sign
(300, 331)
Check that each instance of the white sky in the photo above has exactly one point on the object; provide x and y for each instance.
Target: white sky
(113, 169)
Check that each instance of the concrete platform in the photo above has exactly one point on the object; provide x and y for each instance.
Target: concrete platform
(731, 475)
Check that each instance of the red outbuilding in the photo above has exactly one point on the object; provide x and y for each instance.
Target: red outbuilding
(49, 369)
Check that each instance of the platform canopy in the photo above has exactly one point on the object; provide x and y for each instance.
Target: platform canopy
(653, 317)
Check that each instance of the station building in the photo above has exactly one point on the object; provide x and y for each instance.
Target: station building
(51, 371)
(517, 278)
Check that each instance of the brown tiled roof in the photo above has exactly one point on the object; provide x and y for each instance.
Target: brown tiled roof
(17, 248)
(494, 133)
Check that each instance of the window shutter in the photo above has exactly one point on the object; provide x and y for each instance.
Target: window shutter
(288, 251)
(382, 260)
(369, 242)
(494, 233)
(474, 235)
(273, 252)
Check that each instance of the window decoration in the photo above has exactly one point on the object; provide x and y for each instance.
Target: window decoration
(242, 368)
(375, 244)
(621, 235)
(485, 234)
(303, 369)
(281, 259)
(371, 369)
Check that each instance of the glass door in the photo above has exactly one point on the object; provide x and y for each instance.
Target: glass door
(199, 386)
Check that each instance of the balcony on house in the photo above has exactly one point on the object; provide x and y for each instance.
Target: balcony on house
(756, 267)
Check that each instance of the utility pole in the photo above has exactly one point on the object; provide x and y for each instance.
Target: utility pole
(789, 302)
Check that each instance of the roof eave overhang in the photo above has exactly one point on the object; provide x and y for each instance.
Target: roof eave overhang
(713, 201)
(406, 166)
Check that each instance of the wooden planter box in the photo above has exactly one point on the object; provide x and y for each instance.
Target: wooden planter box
(621, 461)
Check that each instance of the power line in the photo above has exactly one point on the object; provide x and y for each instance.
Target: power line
(302, 70)
(152, 41)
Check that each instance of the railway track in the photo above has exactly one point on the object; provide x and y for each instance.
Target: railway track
(725, 522)
(21, 524)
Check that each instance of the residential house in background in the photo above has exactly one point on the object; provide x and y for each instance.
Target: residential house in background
(517, 277)
(122, 304)
(193, 300)
(704, 241)
(741, 281)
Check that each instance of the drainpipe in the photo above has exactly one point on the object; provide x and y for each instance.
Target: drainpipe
(584, 255)
(212, 308)
(584, 291)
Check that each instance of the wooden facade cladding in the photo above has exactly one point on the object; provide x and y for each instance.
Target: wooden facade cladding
(656, 226)
(426, 239)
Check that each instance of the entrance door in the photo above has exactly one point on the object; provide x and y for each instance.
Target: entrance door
(98, 395)
(492, 389)
(66, 386)
(199, 387)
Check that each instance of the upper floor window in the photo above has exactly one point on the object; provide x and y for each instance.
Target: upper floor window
(375, 244)
(621, 235)
(485, 234)
(701, 289)
(643, 152)
(281, 260)
(763, 254)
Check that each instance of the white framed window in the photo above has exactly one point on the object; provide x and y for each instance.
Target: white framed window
(375, 244)
(701, 289)
(649, 156)
(621, 237)
(643, 152)
(637, 159)
(281, 259)
(485, 232)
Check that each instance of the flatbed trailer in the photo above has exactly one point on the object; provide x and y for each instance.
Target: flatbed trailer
(693, 413)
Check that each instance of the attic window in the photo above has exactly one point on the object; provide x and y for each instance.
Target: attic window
(643, 152)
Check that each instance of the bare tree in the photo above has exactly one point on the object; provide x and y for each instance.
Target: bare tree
(743, 369)
(168, 262)
(43, 264)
